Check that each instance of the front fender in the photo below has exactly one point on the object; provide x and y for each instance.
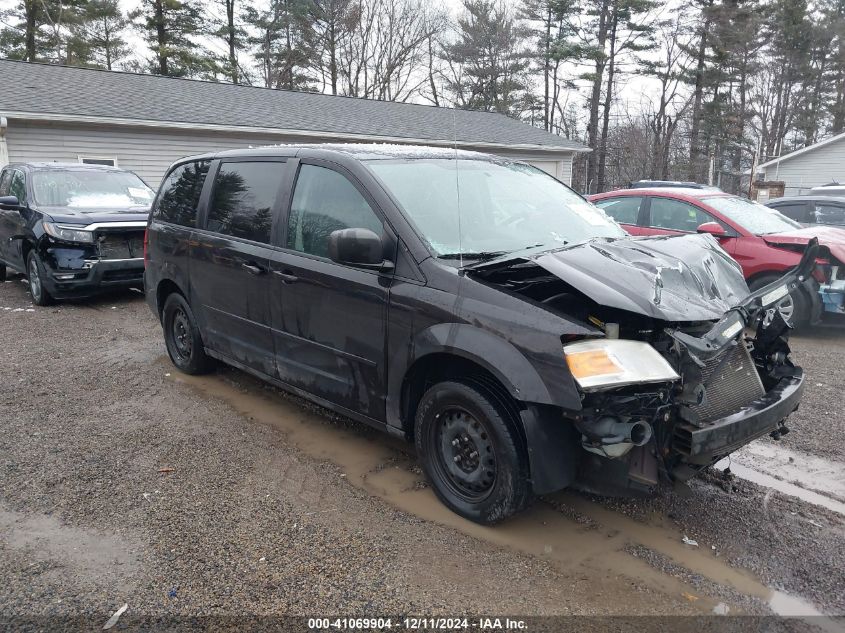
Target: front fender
(539, 382)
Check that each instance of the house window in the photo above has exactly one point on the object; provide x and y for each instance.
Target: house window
(97, 160)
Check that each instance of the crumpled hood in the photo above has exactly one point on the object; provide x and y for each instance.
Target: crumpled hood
(671, 278)
(830, 237)
(85, 215)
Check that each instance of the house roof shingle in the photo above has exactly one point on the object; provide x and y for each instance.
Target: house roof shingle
(81, 92)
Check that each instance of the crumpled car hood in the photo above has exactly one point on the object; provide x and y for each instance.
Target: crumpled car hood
(672, 278)
(831, 237)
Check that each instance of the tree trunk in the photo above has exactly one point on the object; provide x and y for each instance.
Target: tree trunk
(608, 102)
(161, 38)
(547, 65)
(595, 100)
(695, 153)
(231, 36)
(30, 12)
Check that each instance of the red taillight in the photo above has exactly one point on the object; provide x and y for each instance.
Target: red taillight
(146, 242)
(821, 272)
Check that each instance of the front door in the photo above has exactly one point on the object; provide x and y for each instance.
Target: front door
(330, 319)
(230, 267)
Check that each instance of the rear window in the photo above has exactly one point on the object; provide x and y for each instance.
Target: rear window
(180, 194)
(245, 194)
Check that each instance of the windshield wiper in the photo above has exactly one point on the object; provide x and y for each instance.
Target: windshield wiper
(481, 255)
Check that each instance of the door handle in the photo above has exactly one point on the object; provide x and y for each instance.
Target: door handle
(253, 269)
(287, 276)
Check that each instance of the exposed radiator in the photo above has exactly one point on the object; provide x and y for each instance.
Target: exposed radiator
(731, 382)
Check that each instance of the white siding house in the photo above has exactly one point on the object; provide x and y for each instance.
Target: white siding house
(143, 123)
(809, 167)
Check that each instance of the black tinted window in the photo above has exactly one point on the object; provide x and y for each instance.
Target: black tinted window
(325, 201)
(797, 211)
(244, 197)
(180, 194)
(624, 210)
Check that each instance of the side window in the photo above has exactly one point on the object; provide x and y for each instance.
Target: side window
(827, 213)
(245, 195)
(676, 215)
(180, 194)
(796, 211)
(17, 187)
(5, 180)
(325, 201)
(624, 210)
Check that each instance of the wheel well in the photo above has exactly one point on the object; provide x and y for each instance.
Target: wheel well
(165, 288)
(26, 246)
(774, 274)
(435, 368)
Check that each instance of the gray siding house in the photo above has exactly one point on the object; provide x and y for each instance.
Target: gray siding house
(809, 167)
(144, 122)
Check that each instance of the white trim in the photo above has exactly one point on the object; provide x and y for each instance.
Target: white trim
(798, 152)
(249, 129)
(112, 225)
(82, 159)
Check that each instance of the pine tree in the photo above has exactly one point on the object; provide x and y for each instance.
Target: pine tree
(489, 59)
(102, 32)
(170, 27)
(284, 43)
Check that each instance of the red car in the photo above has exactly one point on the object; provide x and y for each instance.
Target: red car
(764, 242)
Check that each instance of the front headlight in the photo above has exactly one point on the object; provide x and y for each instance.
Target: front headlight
(68, 233)
(616, 362)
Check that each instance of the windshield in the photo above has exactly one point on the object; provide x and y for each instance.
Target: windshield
(90, 188)
(752, 216)
(504, 207)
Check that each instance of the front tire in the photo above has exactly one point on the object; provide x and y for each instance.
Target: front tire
(467, 441)
(795, 308)
(2, 272)
(182, 336)
(36, 274)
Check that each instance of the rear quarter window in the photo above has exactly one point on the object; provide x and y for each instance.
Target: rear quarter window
(180, 194)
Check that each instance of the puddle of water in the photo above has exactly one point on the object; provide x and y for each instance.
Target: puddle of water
(767, 481)
(382, 466)
(807, 471)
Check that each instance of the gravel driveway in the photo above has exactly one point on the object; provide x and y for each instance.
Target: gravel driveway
(122, 481)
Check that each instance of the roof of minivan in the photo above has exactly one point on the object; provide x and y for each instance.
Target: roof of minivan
(360, 151)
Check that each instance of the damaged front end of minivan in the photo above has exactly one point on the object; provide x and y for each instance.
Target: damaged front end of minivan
(690, 366)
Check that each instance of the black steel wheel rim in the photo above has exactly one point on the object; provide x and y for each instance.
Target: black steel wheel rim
(181, 334)
(34, 279)
(466, 458)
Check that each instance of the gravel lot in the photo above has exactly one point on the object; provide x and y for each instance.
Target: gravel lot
(123, 481)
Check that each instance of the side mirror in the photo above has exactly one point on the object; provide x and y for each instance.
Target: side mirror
(358, 247)
(713, 228)
(10, 203)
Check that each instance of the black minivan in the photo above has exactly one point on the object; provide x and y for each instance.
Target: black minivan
(474, 305)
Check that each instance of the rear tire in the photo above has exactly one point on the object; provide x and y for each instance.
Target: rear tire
(36, 274)
(796, 310)
(467, 442)
(182, 336)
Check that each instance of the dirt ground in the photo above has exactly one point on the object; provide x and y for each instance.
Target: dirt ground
(125, 482)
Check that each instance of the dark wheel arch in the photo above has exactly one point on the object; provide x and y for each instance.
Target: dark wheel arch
(165, 288)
